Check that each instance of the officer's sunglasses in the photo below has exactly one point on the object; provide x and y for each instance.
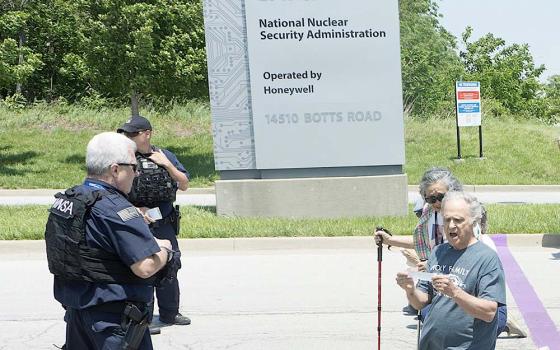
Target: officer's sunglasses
(134, 166)
(432, 199)
(133, 134)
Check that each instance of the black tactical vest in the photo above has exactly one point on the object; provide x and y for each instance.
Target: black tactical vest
(152, 185)
(68, 254)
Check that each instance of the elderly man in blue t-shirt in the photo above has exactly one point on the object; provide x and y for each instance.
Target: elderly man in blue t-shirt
(467, 283)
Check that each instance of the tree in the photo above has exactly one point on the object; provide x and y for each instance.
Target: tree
(552, 99)
(430, 64)
(53, 31)
(144, 48)
(552, 87)
(18, 61)
(506, 73)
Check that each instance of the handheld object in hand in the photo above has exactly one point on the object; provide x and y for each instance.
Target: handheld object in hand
(154, 213)
(423, 276)
(381, 228)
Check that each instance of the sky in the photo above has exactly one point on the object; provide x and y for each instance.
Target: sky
(534, 22)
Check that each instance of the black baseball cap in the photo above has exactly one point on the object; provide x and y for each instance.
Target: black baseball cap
(134, 124)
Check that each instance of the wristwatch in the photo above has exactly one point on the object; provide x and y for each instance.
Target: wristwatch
(169, 253)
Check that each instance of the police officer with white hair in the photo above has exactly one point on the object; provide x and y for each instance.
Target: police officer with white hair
(155, 188)
(103, 256)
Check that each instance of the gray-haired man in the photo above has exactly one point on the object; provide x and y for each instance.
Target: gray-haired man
(467, 285)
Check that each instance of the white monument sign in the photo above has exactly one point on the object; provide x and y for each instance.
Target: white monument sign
(325, 83)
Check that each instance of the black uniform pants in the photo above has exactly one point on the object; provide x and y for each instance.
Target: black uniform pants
(168, 292)
(96, 330)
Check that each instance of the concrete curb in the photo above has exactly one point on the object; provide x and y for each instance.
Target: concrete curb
(31, 249)
(199, 190)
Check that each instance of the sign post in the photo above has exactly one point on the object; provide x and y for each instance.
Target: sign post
(469, 112)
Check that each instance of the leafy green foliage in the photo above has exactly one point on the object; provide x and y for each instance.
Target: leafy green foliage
(552, 88)
(53, 31)
(430, 64)
(17, 61)
(13, 22)
(110, 52)
(103, 50)
(551, 100)
(152, 48)
(506, 73)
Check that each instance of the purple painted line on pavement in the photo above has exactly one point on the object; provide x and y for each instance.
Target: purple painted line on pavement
(541, 327)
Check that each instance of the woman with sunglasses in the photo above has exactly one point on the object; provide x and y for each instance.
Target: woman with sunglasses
(428, 233)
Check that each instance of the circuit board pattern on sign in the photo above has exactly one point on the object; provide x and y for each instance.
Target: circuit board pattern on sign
(228, 78)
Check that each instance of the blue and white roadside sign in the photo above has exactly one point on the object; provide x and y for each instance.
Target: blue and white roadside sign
(468, 103)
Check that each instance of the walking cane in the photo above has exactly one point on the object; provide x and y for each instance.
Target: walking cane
(418, 332)
(379, 260)
(418, 327)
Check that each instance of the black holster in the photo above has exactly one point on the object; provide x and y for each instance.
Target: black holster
(135, 322)
(177, 222)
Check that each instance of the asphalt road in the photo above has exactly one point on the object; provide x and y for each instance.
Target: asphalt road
(276, 293)
(206, 197)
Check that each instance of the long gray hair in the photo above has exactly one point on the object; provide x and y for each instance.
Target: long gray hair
(439, 174)
(105, 149)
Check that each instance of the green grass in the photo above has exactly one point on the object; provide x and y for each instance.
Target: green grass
(44, 146)
(28, 222)
(516, 152)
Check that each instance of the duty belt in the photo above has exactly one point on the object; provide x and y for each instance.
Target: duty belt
(118, 307)
(169, 219)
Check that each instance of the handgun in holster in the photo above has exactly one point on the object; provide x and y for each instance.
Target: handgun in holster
(136, 322)
(169, 271)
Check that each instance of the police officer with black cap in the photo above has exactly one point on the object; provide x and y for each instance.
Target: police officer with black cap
(102, 253)
(155, 189)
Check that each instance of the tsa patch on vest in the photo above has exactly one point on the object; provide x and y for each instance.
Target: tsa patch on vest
(62, 207)
(128, 213)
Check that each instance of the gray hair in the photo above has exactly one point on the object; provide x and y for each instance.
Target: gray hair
(105, 149)
(439, 174)
(476, 210)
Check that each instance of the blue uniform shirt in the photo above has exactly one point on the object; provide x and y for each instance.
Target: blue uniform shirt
(128, 236)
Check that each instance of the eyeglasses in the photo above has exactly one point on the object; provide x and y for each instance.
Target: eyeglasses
(433, 199)
(134, 166)
(133, 134)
